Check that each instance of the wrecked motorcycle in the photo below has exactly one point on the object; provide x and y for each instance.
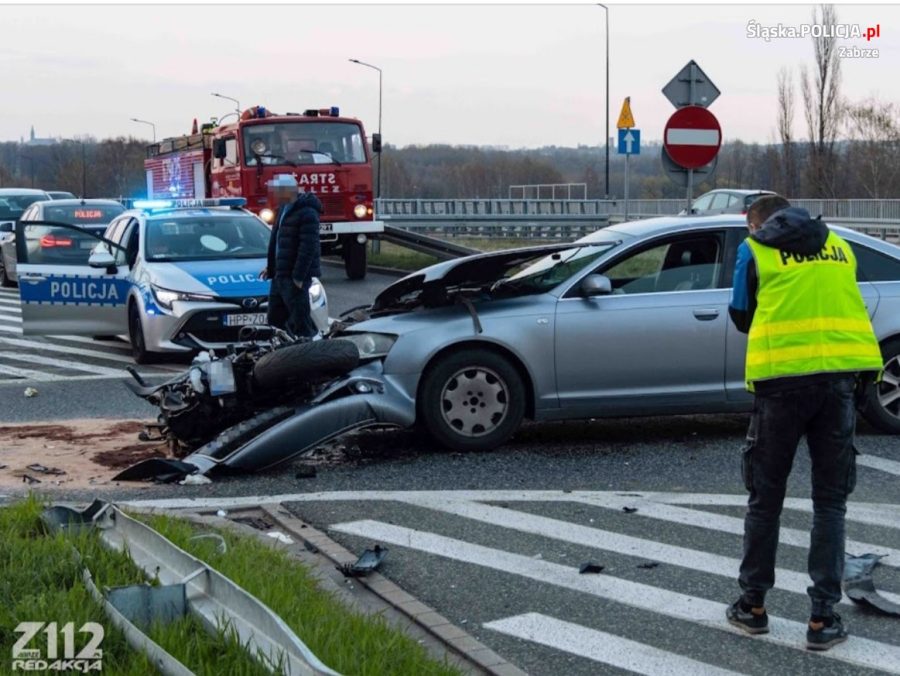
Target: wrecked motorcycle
(268, 402)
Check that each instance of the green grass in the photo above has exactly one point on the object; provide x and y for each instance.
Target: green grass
(395, 256)
(40, 581)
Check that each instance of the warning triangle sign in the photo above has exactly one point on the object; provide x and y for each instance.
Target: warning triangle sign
(626, 120)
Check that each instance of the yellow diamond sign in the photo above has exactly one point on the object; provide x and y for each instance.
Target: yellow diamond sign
(626, 120)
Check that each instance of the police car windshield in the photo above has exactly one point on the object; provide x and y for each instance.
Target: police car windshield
(297, 143)
(175, 238)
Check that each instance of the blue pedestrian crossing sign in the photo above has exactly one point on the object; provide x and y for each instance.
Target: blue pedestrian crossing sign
(629, 142)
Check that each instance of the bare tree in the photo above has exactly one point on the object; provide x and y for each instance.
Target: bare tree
(788, 165)
(822, 104)
(874, 129)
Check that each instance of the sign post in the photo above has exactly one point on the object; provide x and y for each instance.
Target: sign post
(629, 141)
(695, 135)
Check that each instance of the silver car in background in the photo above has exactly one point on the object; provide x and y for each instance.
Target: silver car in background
(629, 321)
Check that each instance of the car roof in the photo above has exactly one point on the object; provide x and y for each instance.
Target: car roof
(740, 191)
(79, 202)
(189, 212)
(21, 191)
(666, 224)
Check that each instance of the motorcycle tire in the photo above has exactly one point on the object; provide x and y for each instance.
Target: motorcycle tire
(305, 362)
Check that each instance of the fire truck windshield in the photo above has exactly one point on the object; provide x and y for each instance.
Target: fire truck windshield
(295, 143)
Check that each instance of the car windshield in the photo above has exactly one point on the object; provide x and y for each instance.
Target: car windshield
(550, 271)
(304, 143)
(82, 214)
(12, 206)
(203, 238)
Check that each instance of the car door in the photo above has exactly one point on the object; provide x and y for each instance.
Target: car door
(61, 292)
(657, 344)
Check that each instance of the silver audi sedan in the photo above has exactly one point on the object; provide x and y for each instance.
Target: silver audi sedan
(631, 320)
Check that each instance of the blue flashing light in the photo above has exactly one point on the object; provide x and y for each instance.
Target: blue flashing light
(335, 111)
(152, 205)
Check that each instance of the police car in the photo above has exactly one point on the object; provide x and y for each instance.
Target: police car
(174, 276)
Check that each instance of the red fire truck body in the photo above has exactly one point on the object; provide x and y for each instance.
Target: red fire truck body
(326, 154)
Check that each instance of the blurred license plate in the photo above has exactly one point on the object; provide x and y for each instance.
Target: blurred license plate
(245, 319)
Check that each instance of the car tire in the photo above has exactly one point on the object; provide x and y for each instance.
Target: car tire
(139, 351)
(5, 280)
(313, 361)
(882, 408)
(355, 259)
(489, 412)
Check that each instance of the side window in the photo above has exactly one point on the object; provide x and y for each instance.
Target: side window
(873, 266)
(53, 244)
(685, 264)
(702, 203)
(720, 201)
(733, 201)
(231, 155)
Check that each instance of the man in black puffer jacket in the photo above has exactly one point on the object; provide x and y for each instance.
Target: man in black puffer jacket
(294, 259)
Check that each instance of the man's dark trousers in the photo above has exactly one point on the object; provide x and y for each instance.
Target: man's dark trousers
(825, 412)
(289, 307)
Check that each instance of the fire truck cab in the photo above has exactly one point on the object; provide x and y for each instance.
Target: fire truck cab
(327, 154)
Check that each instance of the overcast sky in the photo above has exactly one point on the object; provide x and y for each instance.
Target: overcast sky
(504, 75)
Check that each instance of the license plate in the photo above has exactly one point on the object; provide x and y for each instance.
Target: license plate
(245, 319)
(325, 227)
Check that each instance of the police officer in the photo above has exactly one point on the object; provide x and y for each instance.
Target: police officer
(293, 256)
(810, 343)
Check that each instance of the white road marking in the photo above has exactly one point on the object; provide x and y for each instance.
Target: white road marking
(52, 347)
(881, 464)
(709, 614)
(10, 318)
(64, 363)
(589, 536)
(10, 306)
(11, 329)
(601, 647)
(28, 373)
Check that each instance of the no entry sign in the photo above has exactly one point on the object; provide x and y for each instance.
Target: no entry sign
(692, 137)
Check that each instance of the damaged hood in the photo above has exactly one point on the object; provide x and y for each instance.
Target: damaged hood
(466, 271)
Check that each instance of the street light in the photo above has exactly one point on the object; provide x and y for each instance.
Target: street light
(237, 104)
(134, 119)
(606, 9)
(369, 65)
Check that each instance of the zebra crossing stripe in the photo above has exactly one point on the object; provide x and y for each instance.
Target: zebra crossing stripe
(619, 543)
(708, 614)
(51, 347)
(600, 646)
(11, 329)
(10, 318)
(64, 363)
(27, 373)
(881, 464)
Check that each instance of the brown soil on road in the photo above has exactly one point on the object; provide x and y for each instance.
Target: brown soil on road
(74, 453)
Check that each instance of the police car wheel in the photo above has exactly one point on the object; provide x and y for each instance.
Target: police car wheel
(139, 351)
(883, 401)
(472, 400)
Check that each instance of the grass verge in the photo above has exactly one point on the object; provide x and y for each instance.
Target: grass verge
(40, 581)
(395, 256)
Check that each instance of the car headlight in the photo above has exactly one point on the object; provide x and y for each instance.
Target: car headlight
(360, 211)
(267, 215)
(371, 345)
(165, 297)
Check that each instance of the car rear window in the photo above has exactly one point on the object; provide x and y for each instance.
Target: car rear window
(82, 214)
(12, 206)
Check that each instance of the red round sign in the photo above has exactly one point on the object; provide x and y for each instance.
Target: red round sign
(692, 137)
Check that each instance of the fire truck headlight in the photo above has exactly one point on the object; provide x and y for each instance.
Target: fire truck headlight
(267, 215)
(360, 211)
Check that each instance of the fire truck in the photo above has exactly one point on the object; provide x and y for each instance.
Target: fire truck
(327, 154)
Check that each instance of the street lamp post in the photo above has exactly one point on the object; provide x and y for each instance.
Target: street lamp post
(606, 10)
(237, 104)
(369, 65)
(134, 119)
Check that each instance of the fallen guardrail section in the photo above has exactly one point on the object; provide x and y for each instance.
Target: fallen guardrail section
(186, 584)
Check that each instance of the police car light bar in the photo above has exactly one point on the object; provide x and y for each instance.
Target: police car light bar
(183, 203)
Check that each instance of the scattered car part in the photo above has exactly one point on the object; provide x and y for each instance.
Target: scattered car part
(590, 567)
(41, 469)
(650, 565)
(31, 392)
(28, 479)
(278, 536)
(860, 587)
(629, 510)
(368, 561)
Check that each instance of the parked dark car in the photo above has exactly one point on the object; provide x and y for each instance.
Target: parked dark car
(726, 201)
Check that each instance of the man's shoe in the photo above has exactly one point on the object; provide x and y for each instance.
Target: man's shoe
(752, 623)
(822, 635)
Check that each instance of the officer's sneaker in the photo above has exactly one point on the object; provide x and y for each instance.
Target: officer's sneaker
(743, 616)
(827, 632)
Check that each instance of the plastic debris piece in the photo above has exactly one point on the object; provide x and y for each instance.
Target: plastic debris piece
(28, 479)
(31, 392)
(281, 537)
(368, 561)
(590, 567)
(649, 565)
(41, 469)
(860, 587)
(2, 466)
(221, 547)
(629, 510)
(221, 513)
(195, 480)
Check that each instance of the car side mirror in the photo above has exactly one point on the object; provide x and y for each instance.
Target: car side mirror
(7, 227)
(102, 259)
(595, 285)
(219, 149)
(376, 143)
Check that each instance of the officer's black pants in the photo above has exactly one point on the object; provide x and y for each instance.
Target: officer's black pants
(289, 307)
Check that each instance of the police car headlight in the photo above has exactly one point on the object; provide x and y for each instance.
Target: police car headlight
(267, 215)
(371, 345)
(165, 297)
(360, 211)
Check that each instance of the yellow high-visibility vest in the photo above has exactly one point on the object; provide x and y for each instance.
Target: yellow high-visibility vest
(810, 316)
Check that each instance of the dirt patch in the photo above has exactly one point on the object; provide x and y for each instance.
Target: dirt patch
(74, 454)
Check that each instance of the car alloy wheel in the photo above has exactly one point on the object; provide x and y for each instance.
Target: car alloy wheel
(888, 390)
(474, 401)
